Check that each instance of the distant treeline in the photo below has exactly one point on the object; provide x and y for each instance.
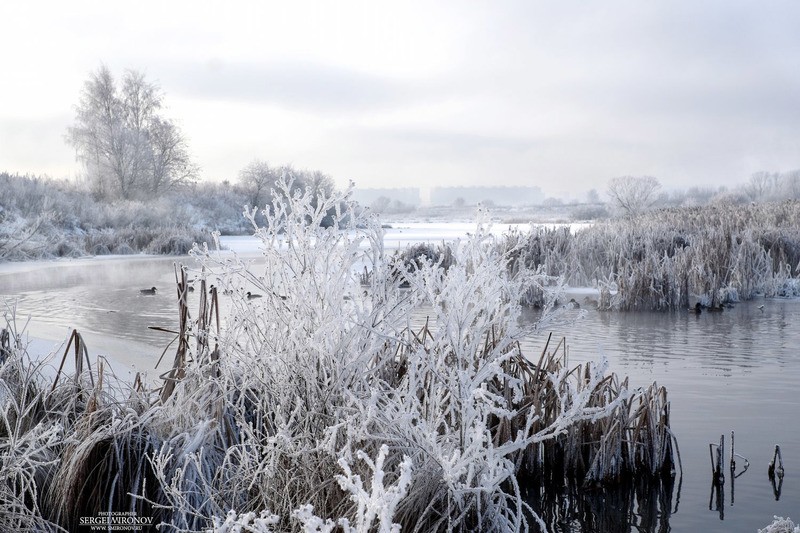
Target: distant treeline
(42, 217)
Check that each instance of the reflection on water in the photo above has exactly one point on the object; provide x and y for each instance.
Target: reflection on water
(644, 505)
(735, 370)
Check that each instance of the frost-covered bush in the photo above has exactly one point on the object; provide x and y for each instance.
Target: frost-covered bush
(28, 441)
(217, 206)
(408, 260)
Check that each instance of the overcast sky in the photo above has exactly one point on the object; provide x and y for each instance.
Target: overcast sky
(563, 95)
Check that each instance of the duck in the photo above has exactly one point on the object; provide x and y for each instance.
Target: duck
(251, 296)
(591, 301)
(190, 288)
(149, 292)
(697, 309)
(223, 291)
(720, 308)
(573, 304)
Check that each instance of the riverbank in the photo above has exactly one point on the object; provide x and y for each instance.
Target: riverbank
(43, 218)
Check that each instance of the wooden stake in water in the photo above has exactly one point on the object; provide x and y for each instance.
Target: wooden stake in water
(776, 465)
(716, 465)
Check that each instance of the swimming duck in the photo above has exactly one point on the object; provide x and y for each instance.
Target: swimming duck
(223, 291)
(149, 292)
(573, 304)
(251, 296)
(697, 309)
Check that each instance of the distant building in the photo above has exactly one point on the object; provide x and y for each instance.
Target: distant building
(446, 196)
(406, 195)
(510, 196)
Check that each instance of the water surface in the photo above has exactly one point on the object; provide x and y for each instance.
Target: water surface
(735, 370)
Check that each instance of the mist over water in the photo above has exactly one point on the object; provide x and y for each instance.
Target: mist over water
(101, 299)
(734, 370)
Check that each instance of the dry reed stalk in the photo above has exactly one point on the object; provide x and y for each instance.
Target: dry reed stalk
(5, 345)
(776, 465)
(81, 354)
(178, 370)
(633, 440)
(717, 452)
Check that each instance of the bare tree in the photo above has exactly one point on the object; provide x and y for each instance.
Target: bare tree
(258, 178)
(128, 149)
(170, 162)
(791, 183)
(96, 135)
(633, 194)
(381, 204)
(319, 185)
(757, 187)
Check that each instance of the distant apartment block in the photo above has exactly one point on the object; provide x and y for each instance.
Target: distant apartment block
(415, 197)
(513, 196)
(407, 195)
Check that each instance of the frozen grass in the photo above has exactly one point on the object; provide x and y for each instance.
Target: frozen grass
(320, 407)
(672, 258)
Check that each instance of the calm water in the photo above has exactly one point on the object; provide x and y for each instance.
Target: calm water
(737, 370)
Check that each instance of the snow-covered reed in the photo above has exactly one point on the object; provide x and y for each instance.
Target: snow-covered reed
(670, 258)
(322, 406)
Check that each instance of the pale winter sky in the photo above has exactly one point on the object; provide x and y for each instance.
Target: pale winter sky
(563, 95)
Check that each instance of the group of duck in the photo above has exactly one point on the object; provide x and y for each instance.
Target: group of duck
(152, 292)
(698, 308)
